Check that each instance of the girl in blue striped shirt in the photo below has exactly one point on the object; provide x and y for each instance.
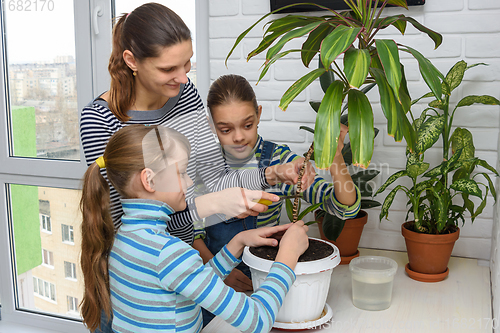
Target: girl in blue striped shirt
(156, 282)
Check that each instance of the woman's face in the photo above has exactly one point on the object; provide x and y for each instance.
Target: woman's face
(164, 74)
(236, 126)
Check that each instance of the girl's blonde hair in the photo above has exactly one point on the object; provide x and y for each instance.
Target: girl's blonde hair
(124, 157)
(144, 32)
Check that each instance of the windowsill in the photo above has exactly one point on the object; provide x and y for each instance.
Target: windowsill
(460, 303)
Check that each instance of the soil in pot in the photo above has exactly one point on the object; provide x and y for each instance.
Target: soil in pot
(316, 250)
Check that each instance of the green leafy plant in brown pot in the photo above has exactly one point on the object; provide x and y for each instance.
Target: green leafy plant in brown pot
(366, 60)
(440, 196)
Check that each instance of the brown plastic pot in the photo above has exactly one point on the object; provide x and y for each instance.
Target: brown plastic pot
(348, 240)
(428, 254)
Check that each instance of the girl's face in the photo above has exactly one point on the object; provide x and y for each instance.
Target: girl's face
(171, 183)
(236, 126)
(164, 74)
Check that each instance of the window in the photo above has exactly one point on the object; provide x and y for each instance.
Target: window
(47, 75)
(70, 270)
(72, 304)
(48, 258)
(46, 225)
(67, 233)
(45, 290)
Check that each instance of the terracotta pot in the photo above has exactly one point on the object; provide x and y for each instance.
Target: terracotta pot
(428, 254)
(348, 240)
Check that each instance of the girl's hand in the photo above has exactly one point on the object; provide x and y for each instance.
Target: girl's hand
(255, 238)
(289, 173)
(293, 243)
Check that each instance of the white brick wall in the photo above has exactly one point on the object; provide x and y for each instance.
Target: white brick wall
(471, 31)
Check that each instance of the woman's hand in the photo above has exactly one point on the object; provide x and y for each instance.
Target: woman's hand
(289, 173)
(238, 281)
(234, 202)
(293, 243)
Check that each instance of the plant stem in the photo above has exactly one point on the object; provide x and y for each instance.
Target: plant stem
(295, 210)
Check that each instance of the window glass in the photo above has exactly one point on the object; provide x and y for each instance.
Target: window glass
(40, 44)
(47, 264)
(185, 9)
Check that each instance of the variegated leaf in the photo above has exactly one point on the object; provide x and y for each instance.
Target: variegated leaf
(429, 132)
(462, 139)
(455, 76)
(384, 212)
(484, 99)
(313, 42)
(468, 186)
(299, 32)
(361, 131)
(416, 169)
(391, 179)
(485, 164)
(298, 87)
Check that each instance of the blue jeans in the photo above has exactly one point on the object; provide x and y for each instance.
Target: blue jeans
(105, 324)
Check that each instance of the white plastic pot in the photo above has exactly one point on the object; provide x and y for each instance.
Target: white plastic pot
(307, 297)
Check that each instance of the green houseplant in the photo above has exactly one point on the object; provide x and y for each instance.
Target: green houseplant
(440, 197)
(366, 60)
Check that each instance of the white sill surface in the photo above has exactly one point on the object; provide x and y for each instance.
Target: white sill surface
(460, 303)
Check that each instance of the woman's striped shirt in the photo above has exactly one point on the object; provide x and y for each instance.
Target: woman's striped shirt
(186, 114)
(159, 283)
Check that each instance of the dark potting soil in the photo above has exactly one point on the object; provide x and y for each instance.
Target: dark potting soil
(316, 250)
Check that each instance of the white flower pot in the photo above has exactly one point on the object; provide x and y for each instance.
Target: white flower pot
(307, 297)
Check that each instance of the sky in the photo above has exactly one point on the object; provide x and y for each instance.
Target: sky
(42, 35)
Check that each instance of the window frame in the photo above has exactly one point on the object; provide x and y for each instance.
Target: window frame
(45, 219)
(92, 54)
(72, 268)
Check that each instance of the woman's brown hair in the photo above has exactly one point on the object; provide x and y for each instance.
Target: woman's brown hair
(144, 32)
(124, 157)
(231, 88)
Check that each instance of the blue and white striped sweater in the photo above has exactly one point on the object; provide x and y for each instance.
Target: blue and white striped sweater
(158, 282)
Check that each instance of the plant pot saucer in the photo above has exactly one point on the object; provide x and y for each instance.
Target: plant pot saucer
(326, 315)
(347, 259)
(422, 277)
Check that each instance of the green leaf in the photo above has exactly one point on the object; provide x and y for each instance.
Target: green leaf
(491, 185)
(332, 226)
(389, 104)
(327, 127)
(298, 87)
(436, 37)
(327, 78)
(428, 133)
(272, 61)
(455, 76)
(435, 172)
(289, 209)
(299, 32)
(307, 129)
(389, 56)
(485, 164)
(313, 42)
(361, 132)
(430, 73)
(429, 94)
(309, 209)
(395, 20)
(484, 99)
(416, 169)
(356, 63)
(336, 43)
(384, 212)
(367, 204)
(479, 208)
(365, 175)
(399, 3)
(468, 186)
(315, 105)
(441, 208)
(391, 180)
(468, 204)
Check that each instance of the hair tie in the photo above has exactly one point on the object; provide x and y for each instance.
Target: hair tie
(100, 162)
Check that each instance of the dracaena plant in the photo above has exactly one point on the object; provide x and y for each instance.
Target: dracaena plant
(365, 60)
(439, 198)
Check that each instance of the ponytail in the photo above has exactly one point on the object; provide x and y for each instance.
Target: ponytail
(145, 32)
(121, 92)
(97, 240)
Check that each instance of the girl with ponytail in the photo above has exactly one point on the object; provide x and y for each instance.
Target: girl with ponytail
(147, 279)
